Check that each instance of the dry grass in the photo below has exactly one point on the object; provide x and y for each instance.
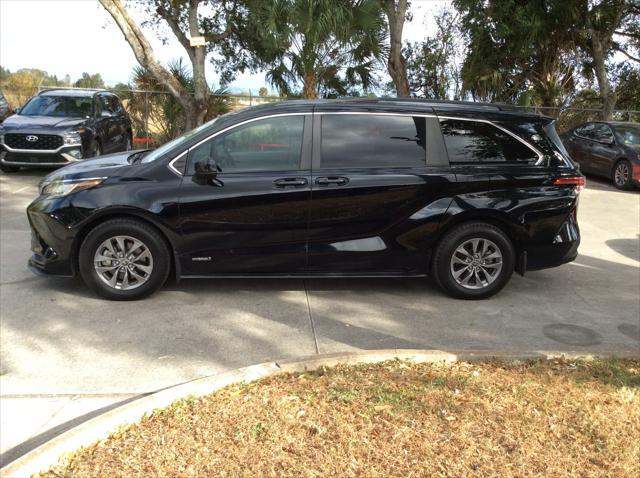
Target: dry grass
(542, 419)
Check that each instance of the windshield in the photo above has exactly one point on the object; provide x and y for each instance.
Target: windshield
(60, 106)
(165, 148)
(628, 134)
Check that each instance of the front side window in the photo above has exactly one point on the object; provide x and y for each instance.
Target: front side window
(628, 134)
(270, 144)
(62, 106)
(586, 131)
(602, 133)
(472, 142)
(369, 141)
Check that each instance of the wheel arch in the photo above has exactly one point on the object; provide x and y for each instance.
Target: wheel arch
(497, 219)
(87, 227)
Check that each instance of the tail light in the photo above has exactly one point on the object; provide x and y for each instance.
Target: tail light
(579, 182)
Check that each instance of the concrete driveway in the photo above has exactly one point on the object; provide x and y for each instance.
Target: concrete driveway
(65, 353)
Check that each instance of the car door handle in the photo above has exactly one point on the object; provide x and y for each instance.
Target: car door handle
(337, 180)
(286, 182)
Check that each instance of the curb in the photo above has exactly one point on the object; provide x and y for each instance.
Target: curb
(100, 427)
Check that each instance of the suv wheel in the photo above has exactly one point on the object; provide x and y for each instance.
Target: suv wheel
(9, 169)
(123, 259)
(622, 174)
(473, 261)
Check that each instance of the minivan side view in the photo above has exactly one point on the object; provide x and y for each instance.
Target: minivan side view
(464, 192)
(62, 126)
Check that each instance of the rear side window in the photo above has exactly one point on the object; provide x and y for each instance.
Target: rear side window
(472, 142)
(372, 141)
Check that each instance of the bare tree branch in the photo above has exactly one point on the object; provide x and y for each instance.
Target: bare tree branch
(627, 54)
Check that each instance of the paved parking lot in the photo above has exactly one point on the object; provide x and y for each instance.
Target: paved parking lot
(65, 353)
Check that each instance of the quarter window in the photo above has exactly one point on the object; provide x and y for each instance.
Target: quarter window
(369, 141)
(471, 142)
(271, 144)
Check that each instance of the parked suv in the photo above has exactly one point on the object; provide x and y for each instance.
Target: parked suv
(610, 149)
(467, 193)
(57, 127)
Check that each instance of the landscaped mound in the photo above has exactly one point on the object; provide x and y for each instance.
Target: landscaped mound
(546, 419)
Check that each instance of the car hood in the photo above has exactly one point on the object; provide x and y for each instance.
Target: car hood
(25, 124)
(101, 167)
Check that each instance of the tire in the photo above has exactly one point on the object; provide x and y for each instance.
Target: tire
(144, 275)
(95, 149)
(493, 274)
(621, 175)
(9, 169)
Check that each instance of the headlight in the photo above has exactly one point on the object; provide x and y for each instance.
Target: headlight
(71, 138)
(67, 186)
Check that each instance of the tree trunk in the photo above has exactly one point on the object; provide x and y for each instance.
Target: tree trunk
(396, 63)
(599, 62)
(195, 108)
(310, 87)
(600, 42)
(201, 89)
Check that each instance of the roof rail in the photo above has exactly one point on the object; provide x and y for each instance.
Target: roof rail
(430, 102)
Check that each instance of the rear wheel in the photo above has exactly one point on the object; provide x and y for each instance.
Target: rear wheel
(473, 261)
(123, 259)
(622, 174)
(9, 169)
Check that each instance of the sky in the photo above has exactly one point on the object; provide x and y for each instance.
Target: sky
(75, 36)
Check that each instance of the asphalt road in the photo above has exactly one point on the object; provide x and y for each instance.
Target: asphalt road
(64, 352)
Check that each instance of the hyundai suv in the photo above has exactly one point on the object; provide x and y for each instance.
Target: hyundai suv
(57, 127)
(466, 193)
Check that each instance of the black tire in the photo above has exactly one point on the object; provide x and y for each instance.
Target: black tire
(95, 149)
(9, 169)
(140, 231)
(441, 265)
(621, 175)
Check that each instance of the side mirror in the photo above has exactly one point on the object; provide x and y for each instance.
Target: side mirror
(17, 111)
(206, 173)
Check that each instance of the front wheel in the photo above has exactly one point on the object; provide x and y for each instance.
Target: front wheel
(473, 261)
(622, 174)
(124, 259)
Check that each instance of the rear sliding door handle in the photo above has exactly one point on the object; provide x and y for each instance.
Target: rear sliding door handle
(336, 180)
(287, 182)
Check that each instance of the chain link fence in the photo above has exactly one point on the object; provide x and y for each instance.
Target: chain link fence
(157, 117)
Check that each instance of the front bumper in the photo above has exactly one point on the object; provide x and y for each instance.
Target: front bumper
(35, 158)
(52, 240)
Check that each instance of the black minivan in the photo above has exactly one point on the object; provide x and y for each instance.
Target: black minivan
(464, 192)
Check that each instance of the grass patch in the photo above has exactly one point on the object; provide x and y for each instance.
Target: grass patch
(547, 419)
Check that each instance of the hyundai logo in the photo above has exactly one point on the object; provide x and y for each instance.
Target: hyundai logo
(31, 138)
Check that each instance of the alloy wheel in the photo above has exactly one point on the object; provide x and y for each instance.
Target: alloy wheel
(476, 263)
(123, 262)
(621, 175)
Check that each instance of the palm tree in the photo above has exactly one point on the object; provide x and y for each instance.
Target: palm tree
(160, 113)
(324, 46)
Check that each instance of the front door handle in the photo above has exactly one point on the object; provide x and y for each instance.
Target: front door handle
(337, 180)
(286, 182)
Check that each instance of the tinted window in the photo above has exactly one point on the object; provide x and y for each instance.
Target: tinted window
(272, 144)
(77, 107)
(586, 131)
(367, 141)
(628, 134)
(478, 142)
(602, 133)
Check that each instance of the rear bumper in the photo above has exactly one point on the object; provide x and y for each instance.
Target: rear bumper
(563, 249)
